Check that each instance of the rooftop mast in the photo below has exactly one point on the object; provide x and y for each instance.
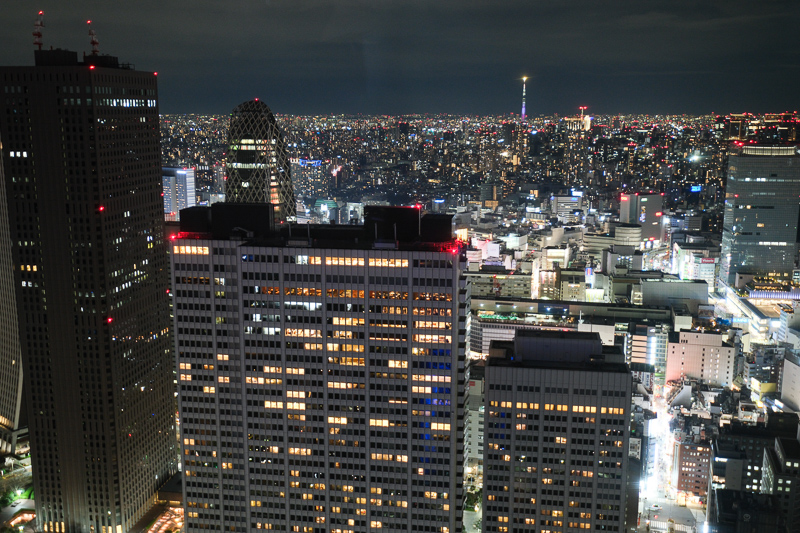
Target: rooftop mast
(93, 39)
(38, 24)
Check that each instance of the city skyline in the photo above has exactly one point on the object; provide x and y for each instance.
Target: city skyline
(449, 320)
(396, 58)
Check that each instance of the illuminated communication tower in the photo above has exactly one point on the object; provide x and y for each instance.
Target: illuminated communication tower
(524, 80)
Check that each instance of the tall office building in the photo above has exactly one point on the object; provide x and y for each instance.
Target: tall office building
(760, 225)
(647, 210)
(321, 372)
(179, 189)
(13, 424)
(83, 178)
(556, 434)
(258, 162)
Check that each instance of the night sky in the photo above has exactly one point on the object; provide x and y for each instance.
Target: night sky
(432, 56)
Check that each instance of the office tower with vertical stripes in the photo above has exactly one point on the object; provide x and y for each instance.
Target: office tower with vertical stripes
(83, 178)
(321, 372)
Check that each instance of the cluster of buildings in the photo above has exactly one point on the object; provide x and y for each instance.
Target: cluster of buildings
(552, 316)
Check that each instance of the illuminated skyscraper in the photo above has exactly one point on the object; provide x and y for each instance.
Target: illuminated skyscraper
(179, 189)
(759, 234)
(83, 173)
(321, 372)
(258, 162)
(557, 418)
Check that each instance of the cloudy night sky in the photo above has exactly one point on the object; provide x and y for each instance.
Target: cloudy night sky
(431, 56)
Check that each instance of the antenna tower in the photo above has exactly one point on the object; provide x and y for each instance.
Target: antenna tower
(524, 80)
(93, 39)
(38, 24)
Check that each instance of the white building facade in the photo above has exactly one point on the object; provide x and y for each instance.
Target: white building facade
(321, 388)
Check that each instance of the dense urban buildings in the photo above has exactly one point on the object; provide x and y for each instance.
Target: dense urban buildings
(604, 230)
(258, 162)
(321, 371)
(83, 179)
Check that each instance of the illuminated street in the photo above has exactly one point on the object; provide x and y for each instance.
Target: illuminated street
(658, 502)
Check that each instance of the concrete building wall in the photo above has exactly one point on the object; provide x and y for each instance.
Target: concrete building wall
(701, 356)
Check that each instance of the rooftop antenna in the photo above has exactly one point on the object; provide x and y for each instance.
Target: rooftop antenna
(93, 39)
(38, 24)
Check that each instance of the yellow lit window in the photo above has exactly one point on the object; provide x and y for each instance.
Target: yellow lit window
(344, 261)
(379, 262)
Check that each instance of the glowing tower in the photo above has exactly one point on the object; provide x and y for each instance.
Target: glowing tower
(524, 80)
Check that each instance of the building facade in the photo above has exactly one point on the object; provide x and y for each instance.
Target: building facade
(781, 476)
(696, 261)
(83, 176)
(321, 371)
(759, 233)
(258, 163)
(179, 189)
(311, 177)
(556, 435)
(647, 210)
(13, 423)
(691, 464)
(704, 356)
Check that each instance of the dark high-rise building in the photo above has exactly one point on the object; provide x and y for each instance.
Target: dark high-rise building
(321, 372)
(759, 234)
(12, 425)
(258, 162)
(647, 210)
(83, 178)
